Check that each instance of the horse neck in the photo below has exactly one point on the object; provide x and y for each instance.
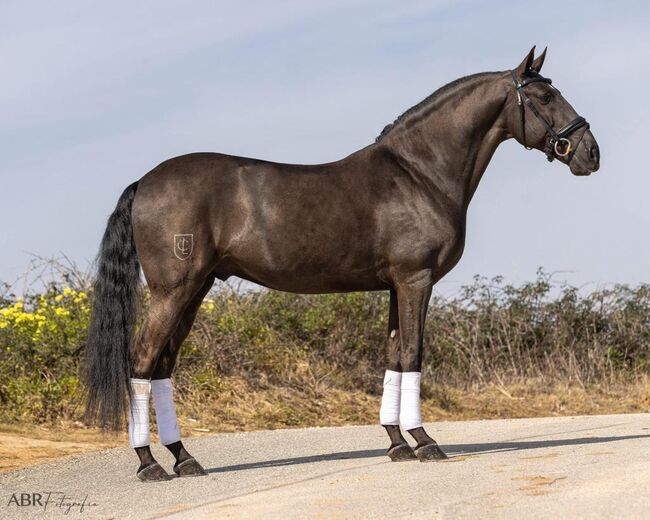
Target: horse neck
(450, 141)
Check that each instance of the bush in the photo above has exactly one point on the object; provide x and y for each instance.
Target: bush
(490, 331)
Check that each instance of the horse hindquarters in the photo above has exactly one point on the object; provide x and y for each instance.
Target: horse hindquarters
(177, 260)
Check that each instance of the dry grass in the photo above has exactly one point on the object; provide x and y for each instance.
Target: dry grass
(243, 408)
(259, 360)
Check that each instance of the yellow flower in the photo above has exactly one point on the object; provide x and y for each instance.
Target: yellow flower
(58, 298)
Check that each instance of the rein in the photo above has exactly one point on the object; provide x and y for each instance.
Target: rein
(557, 143)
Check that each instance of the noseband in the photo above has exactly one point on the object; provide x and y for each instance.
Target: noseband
(557, 143)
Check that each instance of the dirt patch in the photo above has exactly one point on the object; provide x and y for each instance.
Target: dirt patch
(537, 484)
(551, 455)
(23, 445)
(457, 458)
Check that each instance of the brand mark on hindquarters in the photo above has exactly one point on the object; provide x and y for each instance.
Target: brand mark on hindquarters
(183, 245)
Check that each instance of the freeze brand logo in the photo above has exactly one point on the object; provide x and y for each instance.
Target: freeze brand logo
(183, 245)
(50, 500)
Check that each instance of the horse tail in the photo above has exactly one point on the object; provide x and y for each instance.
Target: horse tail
(113, 319)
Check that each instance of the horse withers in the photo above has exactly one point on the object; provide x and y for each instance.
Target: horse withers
(389, 217)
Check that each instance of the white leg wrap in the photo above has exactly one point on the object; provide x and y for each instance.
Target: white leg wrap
(389, 411)
(409, 414)
(139, 416)
(163, 401)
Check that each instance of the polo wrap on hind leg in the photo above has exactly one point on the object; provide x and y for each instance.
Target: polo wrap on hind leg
(409, 411)
(163, 401)
(139, 435)
(390, 399)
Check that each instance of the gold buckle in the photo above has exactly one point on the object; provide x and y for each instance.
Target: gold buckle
(568, 147)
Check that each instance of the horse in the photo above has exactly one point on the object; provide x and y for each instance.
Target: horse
(389, 217)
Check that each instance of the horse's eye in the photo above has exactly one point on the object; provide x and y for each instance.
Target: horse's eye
(546, 98)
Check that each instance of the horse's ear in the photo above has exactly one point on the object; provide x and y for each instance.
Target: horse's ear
(539, 61)
(525, 65)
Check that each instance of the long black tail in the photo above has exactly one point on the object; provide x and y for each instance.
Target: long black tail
(113, 319)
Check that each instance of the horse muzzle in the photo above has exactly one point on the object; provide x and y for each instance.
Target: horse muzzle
(585, 159)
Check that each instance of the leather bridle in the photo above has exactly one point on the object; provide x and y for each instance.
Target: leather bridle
(557, 143)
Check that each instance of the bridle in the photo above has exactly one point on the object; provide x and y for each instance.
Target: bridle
(557, 143)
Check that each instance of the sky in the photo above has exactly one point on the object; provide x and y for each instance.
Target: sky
(95, 94)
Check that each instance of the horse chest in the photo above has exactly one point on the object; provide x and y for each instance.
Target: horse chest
(425, 238)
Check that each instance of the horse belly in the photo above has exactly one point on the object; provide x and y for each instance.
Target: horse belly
(304, 261)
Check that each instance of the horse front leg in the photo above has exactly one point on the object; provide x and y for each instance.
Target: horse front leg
(413, 299)
(399, 449)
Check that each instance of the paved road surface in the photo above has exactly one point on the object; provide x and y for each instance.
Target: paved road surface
(570, 467)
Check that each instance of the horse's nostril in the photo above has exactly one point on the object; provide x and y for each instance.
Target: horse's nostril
(594, 153)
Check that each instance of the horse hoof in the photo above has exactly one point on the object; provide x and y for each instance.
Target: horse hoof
(189, 468)
(153, 473)
(430, 452)
(400, 453)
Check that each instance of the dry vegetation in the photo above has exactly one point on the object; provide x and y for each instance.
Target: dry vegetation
(269, 360)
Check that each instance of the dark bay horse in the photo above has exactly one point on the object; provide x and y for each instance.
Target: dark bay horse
(389, 217)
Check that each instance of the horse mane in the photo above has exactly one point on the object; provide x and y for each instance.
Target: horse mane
(431, 97)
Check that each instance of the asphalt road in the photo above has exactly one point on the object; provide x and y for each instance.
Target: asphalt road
(569, 467)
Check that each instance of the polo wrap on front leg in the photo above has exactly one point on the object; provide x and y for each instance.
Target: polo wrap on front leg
(390, 399)
(139, 413)
(409, 411)
(163, 401)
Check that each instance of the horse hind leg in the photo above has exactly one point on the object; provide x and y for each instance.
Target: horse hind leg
(165, 314)
(162, 391)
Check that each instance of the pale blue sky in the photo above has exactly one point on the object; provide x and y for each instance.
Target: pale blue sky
(95, 94)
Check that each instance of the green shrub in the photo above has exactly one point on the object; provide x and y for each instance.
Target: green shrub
(491, 331)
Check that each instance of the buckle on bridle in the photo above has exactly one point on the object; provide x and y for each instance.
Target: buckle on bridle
(558, 145)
